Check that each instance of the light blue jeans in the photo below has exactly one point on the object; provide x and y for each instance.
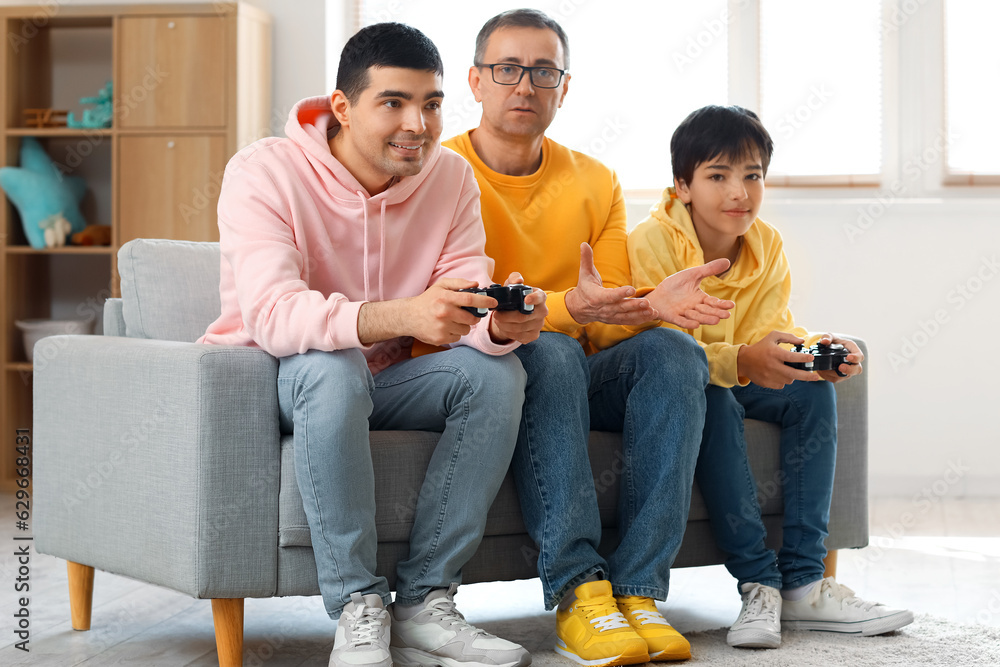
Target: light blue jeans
(329, 401)
(651, 388)
(807, 414)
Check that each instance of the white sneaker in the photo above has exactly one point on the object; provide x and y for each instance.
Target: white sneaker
(362, 638)
(830, 607)
(439, 635)
(759, 622)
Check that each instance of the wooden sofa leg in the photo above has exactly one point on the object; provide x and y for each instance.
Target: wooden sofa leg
(228, 616)
(81, 594)
(831, 564)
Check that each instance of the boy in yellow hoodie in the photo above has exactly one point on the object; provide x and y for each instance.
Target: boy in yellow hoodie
(720, 156)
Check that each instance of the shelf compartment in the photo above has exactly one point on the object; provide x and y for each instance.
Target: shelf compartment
(54, 61)
(88, 156)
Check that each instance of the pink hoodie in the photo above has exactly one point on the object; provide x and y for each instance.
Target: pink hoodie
(304, 245)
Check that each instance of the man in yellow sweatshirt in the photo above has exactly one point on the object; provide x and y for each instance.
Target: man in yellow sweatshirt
(720, 156)
(559, 217)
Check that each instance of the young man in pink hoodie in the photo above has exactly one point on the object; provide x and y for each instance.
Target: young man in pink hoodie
(342, 245)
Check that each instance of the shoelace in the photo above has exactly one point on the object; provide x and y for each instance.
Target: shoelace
(839, 592)
(645, 617)
(641, 615)
(760, 598)
(445, 610)
(604, 622)
(367, 626)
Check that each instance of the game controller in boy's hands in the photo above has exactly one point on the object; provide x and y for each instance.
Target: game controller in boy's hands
(509, 297)
(825, 358)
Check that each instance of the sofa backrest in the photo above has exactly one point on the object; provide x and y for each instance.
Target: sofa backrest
(170, 289)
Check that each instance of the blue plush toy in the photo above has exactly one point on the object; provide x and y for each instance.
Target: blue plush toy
(43, 195)
(100, 115)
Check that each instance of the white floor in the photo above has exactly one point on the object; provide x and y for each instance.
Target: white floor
(941, 559)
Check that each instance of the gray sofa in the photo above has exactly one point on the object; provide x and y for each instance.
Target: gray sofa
(161, 460)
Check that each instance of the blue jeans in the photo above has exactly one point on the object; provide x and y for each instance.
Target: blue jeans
(807, 414)
(329, 401)
(651, 388)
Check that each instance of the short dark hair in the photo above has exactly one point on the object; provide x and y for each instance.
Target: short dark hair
(519, 18)
(732, 132)
(384, 45)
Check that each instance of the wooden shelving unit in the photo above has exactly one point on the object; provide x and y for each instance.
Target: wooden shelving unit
(191, 86)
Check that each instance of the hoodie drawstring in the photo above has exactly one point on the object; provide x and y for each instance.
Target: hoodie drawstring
(381, 253)
(381, 249)
(364, 261)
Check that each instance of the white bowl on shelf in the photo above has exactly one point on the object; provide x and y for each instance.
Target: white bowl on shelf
(35, 329)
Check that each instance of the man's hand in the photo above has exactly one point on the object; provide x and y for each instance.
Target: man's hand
(680, 301)
(763, 363)
(854, 358)
(435, 317)
(508, 325)
(590, 301)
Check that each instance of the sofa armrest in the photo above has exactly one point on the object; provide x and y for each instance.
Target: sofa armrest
(849, 508)
(159, 461)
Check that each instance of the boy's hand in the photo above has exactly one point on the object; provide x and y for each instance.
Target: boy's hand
(854, 358)
(679, 300)
(763, 363)
(590, 301)
(508, 325)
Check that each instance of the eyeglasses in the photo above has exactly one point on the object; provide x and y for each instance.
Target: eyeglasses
(507, 74)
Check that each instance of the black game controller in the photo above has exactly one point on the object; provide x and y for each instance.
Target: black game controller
(825, 358)
(509, 297)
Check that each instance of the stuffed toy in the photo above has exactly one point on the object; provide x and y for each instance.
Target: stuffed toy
(100, 115)
(40, 191)
(93, 235)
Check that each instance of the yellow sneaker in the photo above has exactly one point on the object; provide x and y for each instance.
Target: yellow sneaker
(593, 632)
(663, 642)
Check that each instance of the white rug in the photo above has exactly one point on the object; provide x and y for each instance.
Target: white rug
(928, 641)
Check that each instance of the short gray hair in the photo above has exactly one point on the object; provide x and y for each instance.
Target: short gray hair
(519, 18)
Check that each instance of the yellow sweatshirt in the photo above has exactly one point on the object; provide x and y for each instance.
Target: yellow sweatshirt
(535, 225)
(759, 282)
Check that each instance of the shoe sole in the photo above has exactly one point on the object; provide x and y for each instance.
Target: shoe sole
(604, 662)
(753, 639)
(667, 656)
(869, 628)
(413, 657)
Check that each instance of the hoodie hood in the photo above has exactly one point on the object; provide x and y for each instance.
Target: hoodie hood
(311, 124)
(675, 219)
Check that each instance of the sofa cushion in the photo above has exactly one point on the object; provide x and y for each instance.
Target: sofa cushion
(401, 458)
(170, 289)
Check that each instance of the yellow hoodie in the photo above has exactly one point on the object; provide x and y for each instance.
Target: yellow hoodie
(759, 282)
(536, 223)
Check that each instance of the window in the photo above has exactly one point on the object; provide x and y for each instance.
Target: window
(821, 88)
(972, 74)
(853, 93)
